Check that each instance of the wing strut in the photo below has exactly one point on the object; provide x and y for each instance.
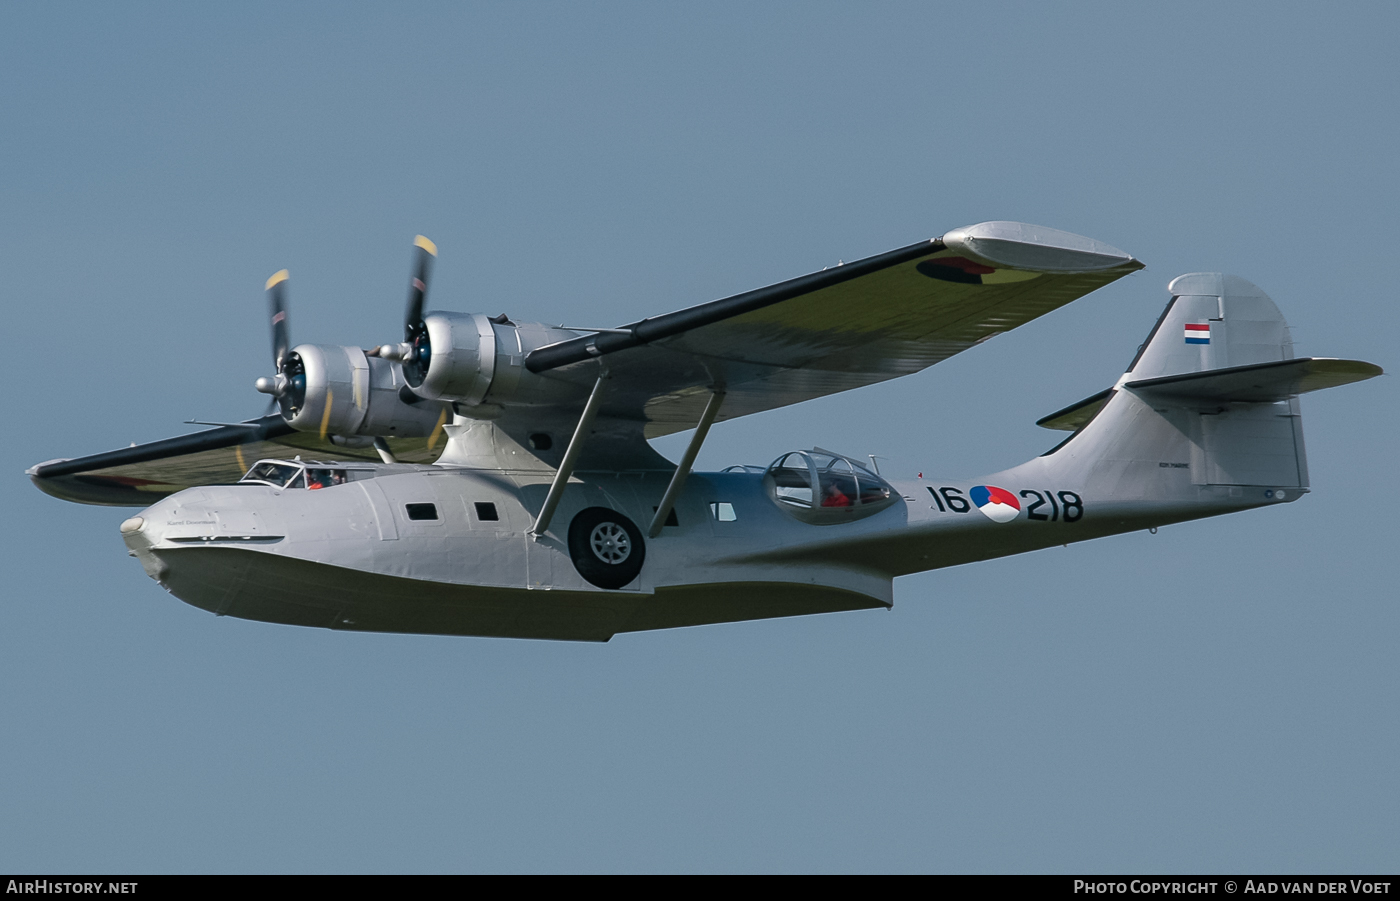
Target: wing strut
(673, 490)
(566, 466)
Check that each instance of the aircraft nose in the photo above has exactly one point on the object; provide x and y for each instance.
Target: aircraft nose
(146, 528)
(136, 531)
(142, 532)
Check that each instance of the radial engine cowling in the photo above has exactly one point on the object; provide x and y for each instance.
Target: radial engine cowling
(474, 361)
(454, 358)
(342, 391)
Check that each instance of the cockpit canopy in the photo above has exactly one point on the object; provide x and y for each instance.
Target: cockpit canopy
(300, 474)
(824, 488)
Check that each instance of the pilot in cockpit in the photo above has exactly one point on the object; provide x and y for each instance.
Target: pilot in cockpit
(324, 478)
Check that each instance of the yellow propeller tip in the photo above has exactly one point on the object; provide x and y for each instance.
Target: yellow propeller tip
(424, 243)
(277, 278)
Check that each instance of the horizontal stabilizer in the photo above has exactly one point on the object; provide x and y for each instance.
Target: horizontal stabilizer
(1256, 383)
(1076, 415)
(1261, 382)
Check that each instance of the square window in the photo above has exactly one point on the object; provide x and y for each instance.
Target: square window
(486, 512)
(670, 517)
(723, 511)
(422, 511)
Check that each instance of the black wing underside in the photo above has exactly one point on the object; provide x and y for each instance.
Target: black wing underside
(139, 476)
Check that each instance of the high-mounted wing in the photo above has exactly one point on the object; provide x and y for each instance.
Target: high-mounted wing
(138, 476)
(845, 327)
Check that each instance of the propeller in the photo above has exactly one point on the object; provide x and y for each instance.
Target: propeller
(416, 351)
(277, 312)
(288, 386)
(424, 251)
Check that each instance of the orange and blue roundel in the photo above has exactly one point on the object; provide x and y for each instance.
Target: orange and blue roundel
(999, 504)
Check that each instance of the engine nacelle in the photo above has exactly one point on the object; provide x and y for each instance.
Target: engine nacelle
(458, 360)
(343, 391)
(471, 360)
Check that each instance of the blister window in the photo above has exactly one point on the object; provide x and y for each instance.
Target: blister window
(825, 488)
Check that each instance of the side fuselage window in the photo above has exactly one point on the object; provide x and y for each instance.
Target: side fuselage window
(422, 511)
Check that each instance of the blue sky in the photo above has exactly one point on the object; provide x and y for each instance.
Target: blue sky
(1217, 697)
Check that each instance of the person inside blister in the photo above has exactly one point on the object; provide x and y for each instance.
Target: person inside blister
(835, 497)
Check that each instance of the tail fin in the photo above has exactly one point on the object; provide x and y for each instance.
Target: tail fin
(1213, 321)
(1214, 390)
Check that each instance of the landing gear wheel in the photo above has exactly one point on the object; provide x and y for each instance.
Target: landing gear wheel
(606, 547)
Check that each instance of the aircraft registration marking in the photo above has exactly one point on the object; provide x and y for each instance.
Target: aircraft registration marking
(998, 504)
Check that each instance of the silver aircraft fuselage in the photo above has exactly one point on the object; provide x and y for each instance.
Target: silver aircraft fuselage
(350, 556)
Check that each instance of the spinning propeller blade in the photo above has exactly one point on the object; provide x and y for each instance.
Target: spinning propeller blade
(277, 313)
(416, 351)
(284, 387)
(423, 253)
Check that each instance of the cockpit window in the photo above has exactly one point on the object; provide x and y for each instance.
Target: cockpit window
(275, 474)
(324, 478)
(823, 488)
(312, 475)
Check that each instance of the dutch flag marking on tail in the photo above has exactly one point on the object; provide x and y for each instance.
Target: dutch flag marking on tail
(1198, 333)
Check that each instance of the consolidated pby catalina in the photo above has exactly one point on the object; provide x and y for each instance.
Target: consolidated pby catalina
(487, 476)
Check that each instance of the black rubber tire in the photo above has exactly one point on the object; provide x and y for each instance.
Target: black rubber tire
(606, 547)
